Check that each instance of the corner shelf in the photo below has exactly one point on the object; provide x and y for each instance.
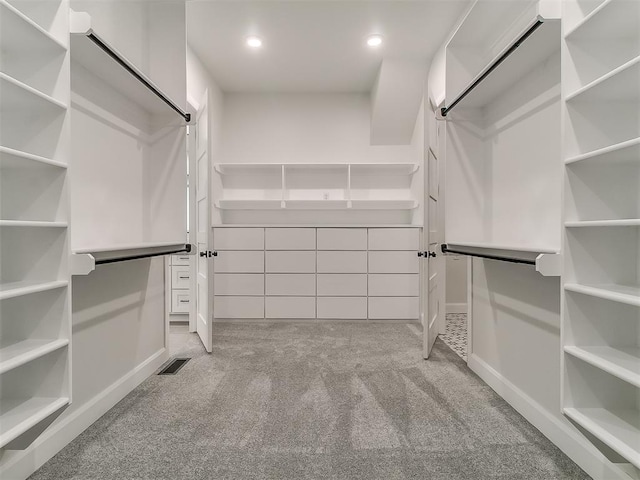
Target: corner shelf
(16, 354)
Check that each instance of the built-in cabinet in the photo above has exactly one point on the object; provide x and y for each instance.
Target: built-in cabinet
(35, 291)
(355, 273)
(601, 298)
(180, 272)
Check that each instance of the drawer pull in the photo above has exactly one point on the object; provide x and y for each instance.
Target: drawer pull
(183, 277)
(184, 301)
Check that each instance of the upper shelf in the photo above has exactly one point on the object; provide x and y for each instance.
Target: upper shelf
(96, 55)
(619, 84)
(612, 19)
(357, 168)
(19, 33)
(624, 152)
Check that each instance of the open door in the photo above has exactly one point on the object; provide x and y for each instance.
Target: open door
(434, 262)
(204, 267)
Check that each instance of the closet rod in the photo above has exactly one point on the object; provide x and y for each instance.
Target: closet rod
(124, 64)
(185, 249)
(494, 65)
(446, 249)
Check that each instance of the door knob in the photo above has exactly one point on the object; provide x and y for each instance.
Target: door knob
(208, 253)
(431, 254)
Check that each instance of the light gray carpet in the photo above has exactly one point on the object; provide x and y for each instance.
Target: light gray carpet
(313, 401)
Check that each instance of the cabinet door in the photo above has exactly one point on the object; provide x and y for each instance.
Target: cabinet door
(290, 238)
(290, 307)
(342, 284)
(387, 285)
(394, 262)
(291, 284)
(238, 307)
(342, 307)
(394, 308)
(238, 284)
(290, 262)
(238, 239)
(394, 239)
(342, 239)
(239, 262)
(342, 262)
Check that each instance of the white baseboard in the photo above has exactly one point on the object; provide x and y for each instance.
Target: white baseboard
(24, 463)
(456, 308)
(562, 434)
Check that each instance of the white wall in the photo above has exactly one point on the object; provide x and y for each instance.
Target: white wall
(456, 297)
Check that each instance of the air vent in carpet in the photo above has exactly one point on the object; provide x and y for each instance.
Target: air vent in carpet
(174, 366)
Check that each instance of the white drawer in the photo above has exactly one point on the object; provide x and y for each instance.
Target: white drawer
(342, 284)
(238, 239)
(388, 285)
(342, 262)
(291, 284)
(238, 307)
(180, 276)
(239, 262)
(290, 239)
(394, 239)
(400, 308)
(238, 284)
(342, 239)
(180, 259)
(394, 262)
(290, 307)
(180, 301)
(342, 307)
(291, 262)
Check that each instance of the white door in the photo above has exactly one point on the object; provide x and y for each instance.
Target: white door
(434, 262)
(204, 304)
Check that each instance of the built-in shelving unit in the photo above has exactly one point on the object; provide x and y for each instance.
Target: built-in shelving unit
(35, 314)
(601, 314)
(288, 187)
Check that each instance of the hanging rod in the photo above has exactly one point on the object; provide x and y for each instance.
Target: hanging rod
(525, 261)
(125, 64)
(494, 65)
(185, 249)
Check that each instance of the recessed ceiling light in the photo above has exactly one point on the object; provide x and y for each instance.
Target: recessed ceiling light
(374, 40)
(254, 42)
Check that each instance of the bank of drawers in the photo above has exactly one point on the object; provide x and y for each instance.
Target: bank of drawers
(180, 281)
(325, 273)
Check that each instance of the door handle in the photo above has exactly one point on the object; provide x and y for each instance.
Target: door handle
(431, 254)
(426, 254)
(209, 253)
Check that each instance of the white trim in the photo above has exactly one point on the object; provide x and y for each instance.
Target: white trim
(456, 308)
(565, 437)
(69, 427)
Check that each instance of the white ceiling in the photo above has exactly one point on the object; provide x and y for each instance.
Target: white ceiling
(313, 46)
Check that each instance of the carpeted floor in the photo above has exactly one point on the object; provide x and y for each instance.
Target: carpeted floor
(312, 401)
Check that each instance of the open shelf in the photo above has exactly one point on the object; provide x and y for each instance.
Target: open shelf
(623, 152)
(13, 159)
(384, 204)
(631, 222)
(29, 223)
(20, 33)
(18, 289)
(619, 429)
(316, 204)
(249, 204)
(610, 19)
(16, 354)
(619, 84)
(624, 363)
(19, 96)
(628, 294)
(19, 415)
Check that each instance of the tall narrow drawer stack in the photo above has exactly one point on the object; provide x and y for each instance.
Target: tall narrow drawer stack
(342, 273)
(238, 283)
(394, 273)
(180, 281)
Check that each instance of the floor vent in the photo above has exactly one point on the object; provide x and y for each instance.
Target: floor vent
(174, 366)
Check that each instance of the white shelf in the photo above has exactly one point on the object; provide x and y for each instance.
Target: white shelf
(19, 415)
(510, 248)
(19, 96)
(308, 204)
(20, 33)
(30, 223)
(316, 204)
(609, 20)
(14, 355)
(249, 204)
(123, 247)
(630, 222)
(247, 168)
(623, 83)
(618, 429)
(617, 293)
(359, 168)
(623, 152)
(11, 158)
(621, 362)
(384, 168)
(384, 204)
(18, 289)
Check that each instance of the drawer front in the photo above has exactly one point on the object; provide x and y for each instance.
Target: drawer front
(238, 239)
(290, 307)
(180, 259)
(238, 307)
(180, 301)
(342, 239)
(291, 262)
(238, 284)
(290, 239)
(394, 239)
(394, 262)
(342, 262)
(239, 262)
(389, 285)
(395, 308)
(294, 285)
(342, 285)
(342, 307)
(180, 277)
